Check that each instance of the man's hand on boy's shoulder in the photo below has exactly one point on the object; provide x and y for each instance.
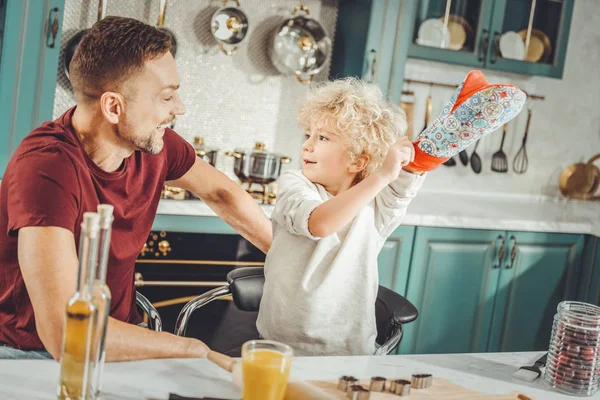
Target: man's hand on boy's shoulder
(399, 156)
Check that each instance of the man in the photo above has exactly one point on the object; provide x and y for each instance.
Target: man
(114, 147)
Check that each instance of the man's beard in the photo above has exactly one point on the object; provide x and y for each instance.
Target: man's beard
(151, 144)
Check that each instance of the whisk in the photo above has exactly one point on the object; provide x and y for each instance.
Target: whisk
(520, 162)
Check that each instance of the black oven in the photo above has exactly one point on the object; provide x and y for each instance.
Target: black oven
(175, 267)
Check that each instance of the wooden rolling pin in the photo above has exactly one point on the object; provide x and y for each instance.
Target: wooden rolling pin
(296, 390)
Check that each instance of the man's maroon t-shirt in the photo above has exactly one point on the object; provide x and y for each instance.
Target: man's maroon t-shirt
(51, 181)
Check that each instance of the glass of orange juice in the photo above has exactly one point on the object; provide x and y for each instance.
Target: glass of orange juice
(265, 368)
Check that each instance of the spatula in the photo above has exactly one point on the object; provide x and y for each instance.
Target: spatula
(499, 161)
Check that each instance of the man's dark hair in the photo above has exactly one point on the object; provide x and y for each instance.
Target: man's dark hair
(111, 51)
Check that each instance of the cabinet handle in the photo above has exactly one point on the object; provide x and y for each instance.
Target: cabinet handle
(494, 55)
(500, 253)
(52, 28)
(370, 68)
(485, 42)
(513, 253)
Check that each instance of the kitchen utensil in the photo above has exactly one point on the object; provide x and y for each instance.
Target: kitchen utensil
(464, 157)
(229, 26)
(540, 47)
(531, 373)
(460, 31)
(300, 46)
(499, 161)
(162, 10)
(206, 153)
(511, 46)
(581, 180)
(258, 165)
(440, 389)
(476, 160)
(520, 162)
(433, 33)
(72, 44)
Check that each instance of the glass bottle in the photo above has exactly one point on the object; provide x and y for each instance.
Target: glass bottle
(101, 295)
(76, 364)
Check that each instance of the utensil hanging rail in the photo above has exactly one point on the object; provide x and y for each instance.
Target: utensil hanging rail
(529, 95)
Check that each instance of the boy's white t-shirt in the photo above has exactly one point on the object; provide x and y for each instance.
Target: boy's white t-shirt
(319, 294)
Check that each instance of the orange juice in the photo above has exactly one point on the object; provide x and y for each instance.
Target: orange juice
(265, 374)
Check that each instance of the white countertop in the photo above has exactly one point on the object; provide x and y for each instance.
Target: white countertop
(476, 211)
(155, 379)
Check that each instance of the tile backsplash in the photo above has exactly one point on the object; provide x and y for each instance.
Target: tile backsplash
(232, 101)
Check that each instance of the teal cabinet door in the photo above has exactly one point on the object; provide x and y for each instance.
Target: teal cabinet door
(545, 50)
(29, 62)
(539, 271)
(453, 278)
(394, 259)
(364, 40)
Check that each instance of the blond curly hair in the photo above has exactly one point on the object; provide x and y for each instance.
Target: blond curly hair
(356, 110)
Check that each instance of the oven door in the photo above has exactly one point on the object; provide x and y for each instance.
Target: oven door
(173, 268)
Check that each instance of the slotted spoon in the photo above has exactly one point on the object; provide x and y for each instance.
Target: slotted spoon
(499, 161)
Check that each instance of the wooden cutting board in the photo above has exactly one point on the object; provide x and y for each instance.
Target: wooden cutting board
(441, 389)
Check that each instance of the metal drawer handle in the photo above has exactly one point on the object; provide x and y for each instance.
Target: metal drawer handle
(513, 253)
(494, 55)
(485, 41)
(52, 29)
(371, 66)
(500, 253)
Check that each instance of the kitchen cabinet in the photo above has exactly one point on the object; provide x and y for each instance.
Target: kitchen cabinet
(477, 34)
(590, 283)
(369, 43)
(394, 259)
(480, 290)
(28, 65)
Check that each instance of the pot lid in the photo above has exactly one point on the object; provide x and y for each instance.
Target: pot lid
(259, 149)
(229, 25)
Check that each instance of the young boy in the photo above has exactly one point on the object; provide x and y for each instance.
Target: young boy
(333, 217)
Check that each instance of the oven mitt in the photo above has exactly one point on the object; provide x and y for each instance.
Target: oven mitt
(474, 110)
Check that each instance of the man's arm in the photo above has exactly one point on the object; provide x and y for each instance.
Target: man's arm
(48, 261)
(231, 203)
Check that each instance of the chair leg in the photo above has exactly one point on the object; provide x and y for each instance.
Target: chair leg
(193, 305)
(154, 320)
(391, 343)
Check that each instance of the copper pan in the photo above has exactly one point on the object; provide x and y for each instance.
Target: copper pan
(581, 180)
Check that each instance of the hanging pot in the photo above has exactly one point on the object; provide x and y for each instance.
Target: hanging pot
(229, 26)
(161, 21)
(258, 165)
(300, 46)
(74, 41)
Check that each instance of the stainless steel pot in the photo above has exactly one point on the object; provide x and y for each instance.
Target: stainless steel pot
(207, 154)
(300, 46)
(258, 165)
(229, 26)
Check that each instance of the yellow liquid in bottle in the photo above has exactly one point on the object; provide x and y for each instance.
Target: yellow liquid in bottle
(76, 368)
(265, 375)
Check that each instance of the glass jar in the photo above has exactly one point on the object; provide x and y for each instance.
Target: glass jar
(573, 365)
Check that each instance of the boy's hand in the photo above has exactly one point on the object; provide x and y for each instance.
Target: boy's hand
(399, 155)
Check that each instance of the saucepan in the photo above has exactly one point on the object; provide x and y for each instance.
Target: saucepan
(300, 46)
(229, 26)
(257, 165)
